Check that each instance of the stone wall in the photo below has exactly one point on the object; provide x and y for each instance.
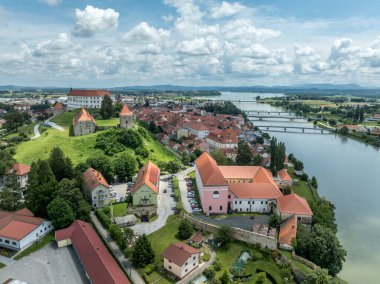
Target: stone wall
(239, 234)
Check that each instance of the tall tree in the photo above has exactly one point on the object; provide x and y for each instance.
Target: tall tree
(185, 229)
(42, 188)
(60, 213)
(142, 253)
(225, 235)
(104, 165)
(244, 155)
(61, 166)
(106, 109)
(125, 166)
(6, 161)
(221, 159)
(10, 196)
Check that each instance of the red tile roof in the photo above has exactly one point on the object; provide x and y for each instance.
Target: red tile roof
(58, 106)
(179, 253)
(125, 111)
(92, 178)
(255, 190)
(283, 174)
(19, 169)
(17, 225)
(209, 171)
(149, 175)
(294, 204)
(89, 93)
(226, 136)
(100, 266)
(288, 231)
(83, 115)
(198, 237)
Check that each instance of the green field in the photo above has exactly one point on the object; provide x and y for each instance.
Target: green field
(120, 209)
(300, 187)
(28, 130)
(64, 119)
(108, 122)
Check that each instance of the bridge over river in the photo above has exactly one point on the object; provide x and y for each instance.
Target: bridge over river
(286, 128)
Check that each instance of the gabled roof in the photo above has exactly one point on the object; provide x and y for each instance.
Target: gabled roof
(294, 204)
(288, 231)
(89, 93)
(58, 106)
(17, 225)
(148, 175)
(179, 253)
(209, 171)
(254, 190)
(92, 178)
(100, 266)
(225, 136)
(198, 237)
(83, 115)
(125, 111)
(283, 174)
(19, 169)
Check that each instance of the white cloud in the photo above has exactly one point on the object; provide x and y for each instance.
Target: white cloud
(226, 9)
(145, 33)
(51, 2)
(93, 20)
(199, 46)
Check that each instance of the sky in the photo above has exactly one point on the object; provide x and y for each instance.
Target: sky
(78, 43)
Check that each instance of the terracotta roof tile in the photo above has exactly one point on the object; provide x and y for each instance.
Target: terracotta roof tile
(19, 169)
(283, 174)
(83, 115)
(92, 178)
(209, 171)
(89, 93)
(294, 204)
(179, 253)
(149, 175)
(288, 231)
(125, 111)
(58, 106)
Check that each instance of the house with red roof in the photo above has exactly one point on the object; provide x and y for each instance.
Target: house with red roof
(21, 228)
(294, 205)
(83, 123)
(86, 98)
(99, 265)
(180, 259)
(58, 108)
(21, 171)
(97, 188)
(126, 117)
(283, 179)
(146, 187)
(223, 139)
(198, 129)
(288, 232)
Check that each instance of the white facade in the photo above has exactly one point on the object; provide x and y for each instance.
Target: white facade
(218, 145)
(199, 133)
(23, 180)
(251, 205)
(181, 271)
(100, 196)
(74, 102)
(36, 234)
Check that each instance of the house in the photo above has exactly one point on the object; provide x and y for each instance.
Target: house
(294, 205)
(283, 179)
(223, 139)
(99, 265)
(126, 117)
(198, 129)
(180, 259)
(288, 232)
(97, 188)
(86, 98)
(58, 109)
(2, 123)
(21, 171)
(83, 123)
(238, 188)
(198, 239)
(21, 228)
(146, 186)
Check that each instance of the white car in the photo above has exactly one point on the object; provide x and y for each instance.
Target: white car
(197, 210)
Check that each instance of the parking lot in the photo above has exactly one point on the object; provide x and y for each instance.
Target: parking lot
(49, 265)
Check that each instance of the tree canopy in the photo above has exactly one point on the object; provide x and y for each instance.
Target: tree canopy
(106, 109)
(185, 229)
(60, 165)
(244, 155)
(125, 166)
(60, 213)
(142, 253)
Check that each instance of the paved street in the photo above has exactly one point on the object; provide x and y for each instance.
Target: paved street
(183, 188)
(49, 265)
(55, 125)
(36, 131)
(164, 210)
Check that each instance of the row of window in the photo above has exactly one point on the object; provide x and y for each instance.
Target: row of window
(249, 202)
(220, 208)
(7, 242)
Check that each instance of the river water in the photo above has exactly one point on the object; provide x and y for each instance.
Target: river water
(348, 174)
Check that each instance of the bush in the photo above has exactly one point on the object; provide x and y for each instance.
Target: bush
(206, 257)
(103, 218)
(185, 229)
(209, 273)
(149, 269)
(145, 277)
(217, 265)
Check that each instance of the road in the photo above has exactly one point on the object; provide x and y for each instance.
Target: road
(132, 273)
(36, 131)
(55, 125)
(164, 210)
(183, 188)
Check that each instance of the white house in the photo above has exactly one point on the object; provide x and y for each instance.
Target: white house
(86, 98)
(97, 188)
(22, 173)
(180, 259)
(198, 129)
(223, 139)
(21, 228)
(294, 205)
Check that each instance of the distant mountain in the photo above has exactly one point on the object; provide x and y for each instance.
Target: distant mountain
(330, 87)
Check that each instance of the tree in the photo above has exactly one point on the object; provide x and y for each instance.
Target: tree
(319, 276)
(220, 158)
(314, 182)
(244, 155)
(60, 213)
(104, 165)
(6, 161)
(225, 235)
(209, 273)
(185, 229)
(257, 160)
(185, 159)
(260, 140)
(197, 152)
(125, 166)
(225, 278)
(277, 151)
(61, 166)
(142, 253)
(172, 167)
(274, 220)
(42, 188)
(15, 119)
(106, 110)
(10, 196)
(323, 213)
(261, 278)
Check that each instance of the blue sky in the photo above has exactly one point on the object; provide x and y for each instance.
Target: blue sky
(188, 42)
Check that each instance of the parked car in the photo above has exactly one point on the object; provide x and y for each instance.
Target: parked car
(194, 206)
(197, 210)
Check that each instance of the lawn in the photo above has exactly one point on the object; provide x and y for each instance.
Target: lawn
(120, 209)
(300, 187)
(35, 247)
(108, 122)
(302, 267)
(64, 119)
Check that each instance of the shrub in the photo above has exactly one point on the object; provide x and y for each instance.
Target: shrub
(206, 257)
(149, 269)
(209, 273)
(217, 265)
(185, 229)
(103, 218)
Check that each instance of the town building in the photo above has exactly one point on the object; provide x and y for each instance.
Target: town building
(83, 123)
(97, 188)
(223, 139)
(21, 171)
(288, 232)
(126, 117)
(197, 129)
(21, 228)
(58, 108)
(146, 186)
(86, 98)
(283, 179)
(99, 265)
(294, 205)
(197, 240)
(180, 259)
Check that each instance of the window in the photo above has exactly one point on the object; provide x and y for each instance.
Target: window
(235, 202)
(185, 263)
(194, 264)
(210, 208)
(215, 194)
(170, 267)
(6, 241)
(220, 207)
(229, 196)
(247, 209)
(170, 261)
(14, 243)
(261, 202)
(253, 202)
(185, 270)
(194, 258)
(241, 209)
(266, 202)
(239, 202)
(1, 240)
(249, 202)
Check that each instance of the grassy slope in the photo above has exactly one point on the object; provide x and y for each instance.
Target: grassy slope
(301, 188)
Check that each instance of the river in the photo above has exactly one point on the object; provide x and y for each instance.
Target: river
(348, 174)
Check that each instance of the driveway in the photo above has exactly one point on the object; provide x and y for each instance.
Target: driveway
(164, 210)
(54, 125)
(49, 265)
(36, 131)
(183, 188)
(235, 220)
